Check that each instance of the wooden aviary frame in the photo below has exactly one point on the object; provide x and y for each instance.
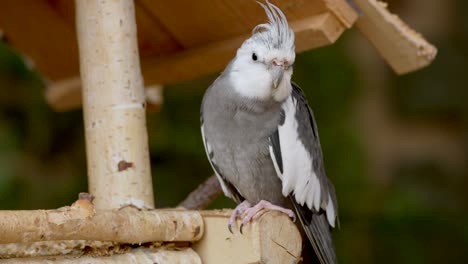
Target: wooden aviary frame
(120, 208)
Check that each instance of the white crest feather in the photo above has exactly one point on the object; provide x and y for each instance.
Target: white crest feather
(275, 34)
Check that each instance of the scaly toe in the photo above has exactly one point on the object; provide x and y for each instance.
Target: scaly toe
(240, 208)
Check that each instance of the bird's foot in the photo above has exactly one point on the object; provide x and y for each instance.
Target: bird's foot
(250, 212)
(240, 209)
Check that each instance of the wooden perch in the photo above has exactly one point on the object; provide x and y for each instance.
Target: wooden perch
(119, 171)
(404, 49)
(82, 222)
(137, 256)
(62, 247)
(271, 238)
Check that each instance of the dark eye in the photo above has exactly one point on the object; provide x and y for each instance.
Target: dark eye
(254, 57)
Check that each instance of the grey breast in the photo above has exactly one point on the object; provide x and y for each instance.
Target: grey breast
(238, 130)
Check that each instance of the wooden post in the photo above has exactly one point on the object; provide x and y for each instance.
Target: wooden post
(270, 238)
(113, 104)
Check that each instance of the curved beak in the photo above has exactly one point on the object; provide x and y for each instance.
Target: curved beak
(277, 74)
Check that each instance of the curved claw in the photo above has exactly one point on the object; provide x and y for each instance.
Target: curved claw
(240, 229)
(240, 208)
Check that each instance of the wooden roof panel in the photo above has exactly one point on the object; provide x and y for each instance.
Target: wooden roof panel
(153, 38)
(178, 39)
(197, 23)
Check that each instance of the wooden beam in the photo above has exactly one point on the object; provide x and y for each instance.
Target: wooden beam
(311, 32)
(271, 238)
(343, 11)
(317, 31)
(404, 49)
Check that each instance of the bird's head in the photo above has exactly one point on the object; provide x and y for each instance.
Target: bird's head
(263, 65)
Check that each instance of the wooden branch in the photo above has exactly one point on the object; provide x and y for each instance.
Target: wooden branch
(119, 171)
(137, 256)
(203, 195)
(404, 49)
(311, 32)
(271, 238)
(82, 222)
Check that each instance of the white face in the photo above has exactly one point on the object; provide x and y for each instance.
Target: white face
(261, 73)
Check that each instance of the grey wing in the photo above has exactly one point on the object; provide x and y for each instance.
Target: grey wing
(297, 157)
(228, 189)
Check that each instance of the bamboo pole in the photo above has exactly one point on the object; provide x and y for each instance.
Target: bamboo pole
(114, 104)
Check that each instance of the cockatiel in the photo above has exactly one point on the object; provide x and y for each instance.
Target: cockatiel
(261, 138)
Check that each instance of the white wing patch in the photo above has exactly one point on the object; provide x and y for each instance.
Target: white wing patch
(298, 175)
(331, 215)
(208, 152)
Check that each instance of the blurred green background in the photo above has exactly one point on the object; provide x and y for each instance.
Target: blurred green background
(394, 146)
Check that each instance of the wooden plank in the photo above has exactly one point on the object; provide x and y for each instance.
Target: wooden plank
(34, 28)
(404, 49)
(311, 32)
(317, 31)
(153, 37)
(198, 23)
(343, 11)
(271, 238)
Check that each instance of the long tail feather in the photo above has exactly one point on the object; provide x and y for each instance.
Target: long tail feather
(315, 226)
